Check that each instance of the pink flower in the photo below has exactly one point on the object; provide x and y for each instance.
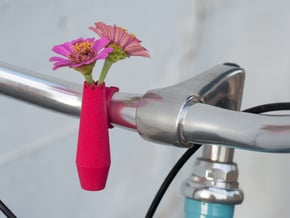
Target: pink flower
(80, 53)
(120, 39)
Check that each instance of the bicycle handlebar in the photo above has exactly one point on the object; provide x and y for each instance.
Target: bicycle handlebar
(187, 113)
(48, 92)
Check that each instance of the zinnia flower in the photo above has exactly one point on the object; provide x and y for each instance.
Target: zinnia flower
(81, 54)
(124, 44)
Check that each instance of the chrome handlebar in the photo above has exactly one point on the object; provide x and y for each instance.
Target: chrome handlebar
(183, 114)
(41, 90)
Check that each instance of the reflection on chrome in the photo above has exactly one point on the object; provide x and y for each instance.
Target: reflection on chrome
(167, 115)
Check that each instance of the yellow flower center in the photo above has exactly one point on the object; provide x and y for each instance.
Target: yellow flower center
(82, 52)
(82, 46)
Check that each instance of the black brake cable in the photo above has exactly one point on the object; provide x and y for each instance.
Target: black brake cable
(5, 210)
(190, 151)
(169, 178)
(280, 106)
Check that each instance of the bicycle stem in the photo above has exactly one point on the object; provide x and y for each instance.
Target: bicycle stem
(180, 115)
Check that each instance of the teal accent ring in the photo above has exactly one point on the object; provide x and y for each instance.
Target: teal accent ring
(197, 209)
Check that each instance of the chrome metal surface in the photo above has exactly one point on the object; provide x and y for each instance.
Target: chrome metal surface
(161, 113)
(61, 96)
(41, 90)
(213, 182)
(209, 124)
(122, 110)
(215, 176)
(167, 115)
(217, 153)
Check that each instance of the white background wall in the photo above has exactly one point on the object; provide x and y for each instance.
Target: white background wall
(37, 147)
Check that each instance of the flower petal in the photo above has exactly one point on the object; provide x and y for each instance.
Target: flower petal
(137, 51)
(57, 59)
(60, 64)
(63, 49)
(80, 52)
(123, 42)
(117, 33)
(121, 38)
(76, 41)
(101, 29)
(104, 53)
(133, 43)
(100, 43)
(89, 61)
(142, 53)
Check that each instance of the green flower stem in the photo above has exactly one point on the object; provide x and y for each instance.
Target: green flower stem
(89, 79)
(106, 67)
(86, 71)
